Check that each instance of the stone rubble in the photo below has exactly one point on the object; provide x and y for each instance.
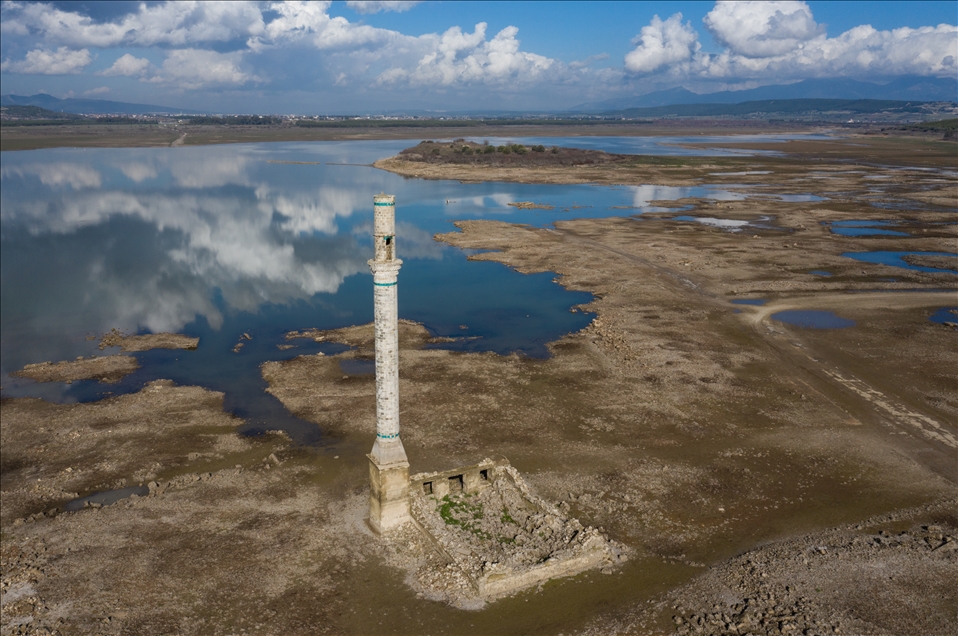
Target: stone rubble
(476, 547)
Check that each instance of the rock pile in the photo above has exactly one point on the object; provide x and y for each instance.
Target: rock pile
(806, 588)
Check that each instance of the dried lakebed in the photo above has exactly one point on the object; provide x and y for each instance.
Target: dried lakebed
(692, 435)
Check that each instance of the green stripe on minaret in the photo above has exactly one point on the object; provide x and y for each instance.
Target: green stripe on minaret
(382, 203)
(384, 284)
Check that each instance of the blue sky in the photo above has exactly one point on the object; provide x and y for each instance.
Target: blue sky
(354, 57)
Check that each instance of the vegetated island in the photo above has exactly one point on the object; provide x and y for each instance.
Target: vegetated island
(469, 161)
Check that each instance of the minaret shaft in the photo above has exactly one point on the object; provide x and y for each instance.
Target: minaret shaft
(386, 311)
(388, 467)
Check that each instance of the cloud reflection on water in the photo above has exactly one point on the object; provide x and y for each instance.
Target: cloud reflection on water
(55, 175)
(132, 256)
(138, 171)
(644, 195)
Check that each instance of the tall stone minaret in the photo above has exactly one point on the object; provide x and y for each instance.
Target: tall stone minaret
(388, 466)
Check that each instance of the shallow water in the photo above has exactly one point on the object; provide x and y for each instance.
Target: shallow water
(105, 498)
(218, 241)
(863, 228)
(729, 225)
(895, 259)
(945, 314)
(352, 366)
(813, 319)
(866, 231)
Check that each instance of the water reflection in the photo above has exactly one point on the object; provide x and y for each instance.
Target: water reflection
(218, 241)
(55, 175)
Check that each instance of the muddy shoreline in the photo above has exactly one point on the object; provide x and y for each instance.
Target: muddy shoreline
(715, 442)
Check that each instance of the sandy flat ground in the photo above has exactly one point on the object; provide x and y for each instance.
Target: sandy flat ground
(767, 478)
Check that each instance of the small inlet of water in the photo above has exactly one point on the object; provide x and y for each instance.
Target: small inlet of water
(812, 319)
(106, 497)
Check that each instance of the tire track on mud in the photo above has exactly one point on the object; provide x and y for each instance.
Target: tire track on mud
(927, 426)
(811, 371)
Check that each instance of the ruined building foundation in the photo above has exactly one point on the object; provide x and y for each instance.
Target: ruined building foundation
(388, 466)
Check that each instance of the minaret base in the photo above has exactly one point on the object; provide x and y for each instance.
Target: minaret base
(388, 487)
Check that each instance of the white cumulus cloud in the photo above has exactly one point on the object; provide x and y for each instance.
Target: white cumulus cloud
(167, 23)
(62, 61)
(466, 58)
(194, 68)
(662, 44)
(372, 6)
(762, 29)
(310, 21)
(128, 66)
(782, 41)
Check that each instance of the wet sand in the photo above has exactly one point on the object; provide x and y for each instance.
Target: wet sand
(717, 443)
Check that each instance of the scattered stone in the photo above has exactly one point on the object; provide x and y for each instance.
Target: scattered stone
(496, 537)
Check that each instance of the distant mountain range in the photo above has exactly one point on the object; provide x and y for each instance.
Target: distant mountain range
(87, 106)
(905, 88)
(827, 109)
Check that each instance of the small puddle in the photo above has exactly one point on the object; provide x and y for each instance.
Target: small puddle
(731, 225)
(106, 497)
(799, 198)
(863, 228)
(945, 315)
(859, 223)
(813, 319)
(866, 231)
(355, 366)
(758, 302)
(820, 272)
(739, 174)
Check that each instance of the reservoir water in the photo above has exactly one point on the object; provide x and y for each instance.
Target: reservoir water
(813, 319)
(218, 241)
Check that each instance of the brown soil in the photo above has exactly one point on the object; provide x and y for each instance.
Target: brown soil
(54, 452)
(940, 262)
(530, 205)
(697, 437)
(148, 341)
(863, 150)
(888, 575)
(107, 369)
